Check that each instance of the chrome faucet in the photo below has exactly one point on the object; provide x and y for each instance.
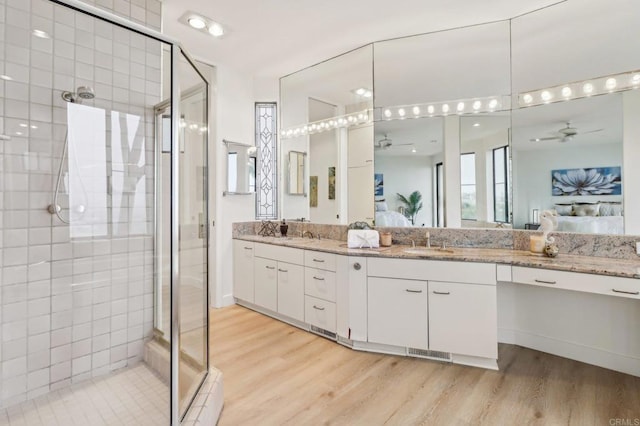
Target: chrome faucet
(307, 233)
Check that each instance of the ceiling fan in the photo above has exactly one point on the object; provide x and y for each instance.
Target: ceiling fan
(386, 143)
(565, 134)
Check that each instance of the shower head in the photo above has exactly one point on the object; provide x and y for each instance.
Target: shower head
(82, 92)
(85, 92)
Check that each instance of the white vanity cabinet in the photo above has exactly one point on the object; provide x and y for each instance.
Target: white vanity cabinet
(397, 312)
(442, 306)
(243, 270)
(279, 280)
(462, 319)
(320, 290)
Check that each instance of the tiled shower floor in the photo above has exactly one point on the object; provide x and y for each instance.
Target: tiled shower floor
(131, 396)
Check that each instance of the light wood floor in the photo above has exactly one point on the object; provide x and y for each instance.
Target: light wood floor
(277, 374)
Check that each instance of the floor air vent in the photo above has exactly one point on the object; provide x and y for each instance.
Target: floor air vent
(324, 333)
(423, 353)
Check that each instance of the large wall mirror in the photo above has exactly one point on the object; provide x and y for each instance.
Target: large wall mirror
(241, 168)
(491, 167)
(334, 88)
(296, 180)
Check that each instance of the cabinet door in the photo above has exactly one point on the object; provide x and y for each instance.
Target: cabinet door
(397, 313)
(463, 319)
(291, 290)
(360, 146)
(266, 283)
(360, 202)
(243, 277)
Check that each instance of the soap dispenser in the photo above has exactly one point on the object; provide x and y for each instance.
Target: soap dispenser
(284, 228)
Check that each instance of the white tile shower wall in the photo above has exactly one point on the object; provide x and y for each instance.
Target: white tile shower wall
(74, 307)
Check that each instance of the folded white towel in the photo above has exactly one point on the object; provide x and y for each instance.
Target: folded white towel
(359, 238)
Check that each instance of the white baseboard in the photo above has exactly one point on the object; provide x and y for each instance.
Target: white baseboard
(227, 300)
(595, 356)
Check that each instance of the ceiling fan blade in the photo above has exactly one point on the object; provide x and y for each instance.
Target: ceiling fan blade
(552, 138)
(591, 131)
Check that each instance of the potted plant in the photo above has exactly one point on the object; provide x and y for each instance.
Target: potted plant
(413, 204)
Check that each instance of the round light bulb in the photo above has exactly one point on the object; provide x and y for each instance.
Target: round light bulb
(197, 23)
(416, 110)
(216, 30)
(527, 98)
(361, 116)
(476, 124)
(546, 96)
(587, 88)
(460, 106)
(414, 150)
(430, 109)
(332, 123)
(283, 132)
(493, 104)
(611, 83)
(445, 108)
(566, 91)
(360, 91)
(477, 105)
(387, 113)
(289, 132)
(351, 119)
(313, 127)
(401, 112)
(634, 80)
(367, 94)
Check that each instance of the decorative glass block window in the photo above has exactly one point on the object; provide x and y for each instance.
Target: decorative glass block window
(267, 177)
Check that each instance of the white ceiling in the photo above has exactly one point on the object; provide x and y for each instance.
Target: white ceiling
(269, 39)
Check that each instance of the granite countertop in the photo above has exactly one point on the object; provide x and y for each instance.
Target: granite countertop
(563, 262)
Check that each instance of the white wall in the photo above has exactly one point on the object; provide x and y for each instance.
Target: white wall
(532, 180)
(404, 175)
(234, 121)
(323, 153)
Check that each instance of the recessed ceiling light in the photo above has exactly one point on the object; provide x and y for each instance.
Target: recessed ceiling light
(33, 126)
(216, 29)
(197, 22)
(40, 34)
(19, 133)
(360, 91)
(6, 77)
(414, 150)
(476, 124)
(24, 125)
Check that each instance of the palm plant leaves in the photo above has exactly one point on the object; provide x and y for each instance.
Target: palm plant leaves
(413, 205)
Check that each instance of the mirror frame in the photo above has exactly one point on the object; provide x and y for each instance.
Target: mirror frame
(227, 144)
(302, 154)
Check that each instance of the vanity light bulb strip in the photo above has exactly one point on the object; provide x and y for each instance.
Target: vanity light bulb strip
(441, 109)
(341, 121)
(581, 89)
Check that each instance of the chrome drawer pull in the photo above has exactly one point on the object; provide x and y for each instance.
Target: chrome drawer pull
(318, 260)
(319, 279)
(248, 248)
(283, 270)
(413, 291)
(270, 267)
(441, 292)
(544, 282)
(635, 293)
(320, 309)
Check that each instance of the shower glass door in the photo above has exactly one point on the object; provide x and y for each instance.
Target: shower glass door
(193, 232)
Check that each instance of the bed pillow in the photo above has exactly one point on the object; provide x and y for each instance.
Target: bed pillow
(586, 209)
(610, 208)
(564, 209)
(381, 206)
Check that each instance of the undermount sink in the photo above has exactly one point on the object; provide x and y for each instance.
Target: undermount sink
(426, 251)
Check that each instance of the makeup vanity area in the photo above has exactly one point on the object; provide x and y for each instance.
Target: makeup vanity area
(479, 136)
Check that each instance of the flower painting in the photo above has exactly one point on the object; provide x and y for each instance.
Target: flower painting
(593, 181)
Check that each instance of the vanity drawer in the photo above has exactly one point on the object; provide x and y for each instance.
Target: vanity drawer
(320, 313)
(279, 253)
(433, 270)
(320, 260)
(320, 283)
(589, 283)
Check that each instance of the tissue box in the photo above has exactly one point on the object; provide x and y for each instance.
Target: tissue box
(359, 238)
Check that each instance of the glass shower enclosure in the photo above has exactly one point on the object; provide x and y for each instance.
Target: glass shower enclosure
(103, 219)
